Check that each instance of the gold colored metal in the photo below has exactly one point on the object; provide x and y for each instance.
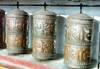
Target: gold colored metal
(78, 44)
(43, 34)
(17, 31)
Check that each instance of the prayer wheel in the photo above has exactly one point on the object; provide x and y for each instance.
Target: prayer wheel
(43, 35)
(78, 42)
(2, 29)
(17, 31)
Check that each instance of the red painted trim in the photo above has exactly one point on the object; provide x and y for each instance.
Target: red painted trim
(24, 63)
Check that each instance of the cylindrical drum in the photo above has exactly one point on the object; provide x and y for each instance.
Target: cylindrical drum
(43, 35)
(17, 31)
(78, 42)
(2, 29)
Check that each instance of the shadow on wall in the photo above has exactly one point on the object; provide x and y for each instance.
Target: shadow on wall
(95, 43)
(30, 31)
(61, 23)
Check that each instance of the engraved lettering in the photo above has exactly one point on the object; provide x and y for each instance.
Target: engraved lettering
(47, 46)
(78, 34)
(38, 29)
(10, 41)
(43, 29)
(14, 41)
(77, 54)
(88, 35)
(38, 46)
(19, 42)
(19, 25)
(87, 54)
(66, 52)
(67, 33)
(43, 46)
(16, 24)
(48, 28)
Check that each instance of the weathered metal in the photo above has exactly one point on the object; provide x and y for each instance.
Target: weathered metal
(17, 31)
(2, 29)
(78, 43)
(43, 34)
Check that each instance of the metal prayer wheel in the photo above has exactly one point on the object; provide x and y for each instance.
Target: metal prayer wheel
(43, 35)
(2, 29)
(78, 43)
(17, 31)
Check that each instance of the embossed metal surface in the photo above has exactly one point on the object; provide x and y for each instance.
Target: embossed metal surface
(78, 43)
(43, 34)
(17, 31)
(2, 29)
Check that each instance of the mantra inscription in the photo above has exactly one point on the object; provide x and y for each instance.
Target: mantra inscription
(77, 34)
(16, 24)
(15, 41)
(77, 55)
(43, 29)
(83, 34)
(42, 46)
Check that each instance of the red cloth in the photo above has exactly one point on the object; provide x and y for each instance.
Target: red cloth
(23, 63)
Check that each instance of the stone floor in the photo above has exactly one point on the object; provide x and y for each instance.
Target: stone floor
(56, 63)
